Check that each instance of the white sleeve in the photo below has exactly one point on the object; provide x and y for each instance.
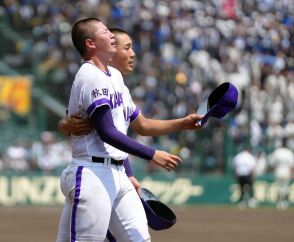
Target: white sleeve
(95, 93)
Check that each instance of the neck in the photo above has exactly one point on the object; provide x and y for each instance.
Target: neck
(98, 63)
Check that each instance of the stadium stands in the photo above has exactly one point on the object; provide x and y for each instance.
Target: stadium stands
(184, 49)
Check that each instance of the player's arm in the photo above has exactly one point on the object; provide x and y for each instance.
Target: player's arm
(78, 126)
(75, 125)
(131, 176)
(102, 120)
(152, 127)
(136, 184)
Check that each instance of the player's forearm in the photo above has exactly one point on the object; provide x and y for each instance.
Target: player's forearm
(128, 167)
(153, 127)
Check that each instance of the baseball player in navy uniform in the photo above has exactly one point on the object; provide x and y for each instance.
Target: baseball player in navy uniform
(95, 183)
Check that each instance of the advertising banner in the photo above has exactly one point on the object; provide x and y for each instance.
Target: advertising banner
(37, 189)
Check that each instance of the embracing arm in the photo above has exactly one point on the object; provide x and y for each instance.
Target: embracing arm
(75, 125)
(152, 127)
(129, 172)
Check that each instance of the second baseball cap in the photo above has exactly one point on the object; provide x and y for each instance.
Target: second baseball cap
(159, 215)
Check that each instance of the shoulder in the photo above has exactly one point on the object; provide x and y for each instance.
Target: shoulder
(87, 72)
(116, 76)
(115, 71)
(112, 69)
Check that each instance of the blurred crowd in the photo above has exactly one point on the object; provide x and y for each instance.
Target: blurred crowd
(185, 48)
(48, 154)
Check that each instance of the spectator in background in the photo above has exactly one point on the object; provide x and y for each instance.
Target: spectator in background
(282, 160)
(49, 153)
(244, 164)
(261, 163)
(16, 157)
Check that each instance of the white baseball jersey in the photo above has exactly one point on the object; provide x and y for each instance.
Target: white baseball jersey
(244, 163)
(282, 159)
(100, 195)
(93, 88)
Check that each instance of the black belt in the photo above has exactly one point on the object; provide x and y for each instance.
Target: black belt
(112, 161)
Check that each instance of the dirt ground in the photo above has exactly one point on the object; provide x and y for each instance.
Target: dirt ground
(195, 224)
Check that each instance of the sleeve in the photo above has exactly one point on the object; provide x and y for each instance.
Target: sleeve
(103, 123)
(128, 167)
(95, 93)
(135, 114)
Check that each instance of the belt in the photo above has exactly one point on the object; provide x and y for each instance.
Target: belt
(106, 160)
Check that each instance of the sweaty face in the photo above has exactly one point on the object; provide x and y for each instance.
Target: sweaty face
(103, 40)
(123, 60)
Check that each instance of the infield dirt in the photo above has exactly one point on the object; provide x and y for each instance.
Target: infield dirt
(195, 224)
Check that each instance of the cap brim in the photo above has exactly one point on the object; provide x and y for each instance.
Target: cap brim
(217, 111)
(147, 195)
(203, 110)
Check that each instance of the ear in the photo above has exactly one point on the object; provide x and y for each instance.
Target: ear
(89, 43)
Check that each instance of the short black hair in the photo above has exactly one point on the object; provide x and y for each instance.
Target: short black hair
(81, 31)
(118, 31)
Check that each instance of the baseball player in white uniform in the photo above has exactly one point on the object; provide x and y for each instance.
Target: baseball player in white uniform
(282, 160)
(123, 60)
(95, 182)
(244, 164)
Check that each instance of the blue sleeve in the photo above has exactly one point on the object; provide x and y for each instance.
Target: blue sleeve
(103, 123)
(128, 167)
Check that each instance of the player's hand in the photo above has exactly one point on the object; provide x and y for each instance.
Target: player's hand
(80, 126)
(165, 160)
(192, 121)
(136, 184)
(77, 126)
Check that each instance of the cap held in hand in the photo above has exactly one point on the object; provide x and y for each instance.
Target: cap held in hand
(220, 102)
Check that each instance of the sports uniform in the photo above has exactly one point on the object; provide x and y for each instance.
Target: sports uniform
(100, 194)
(282, 160)
(244, 164)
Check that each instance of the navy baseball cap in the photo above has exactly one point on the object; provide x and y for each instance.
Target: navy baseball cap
(159, 215)
(222, 100)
